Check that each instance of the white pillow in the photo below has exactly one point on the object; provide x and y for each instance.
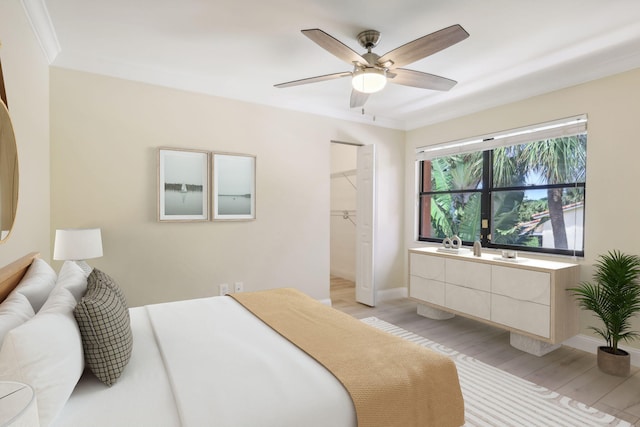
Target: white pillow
(37, 283)
(72, 278)
(14, 311)
(46, 353)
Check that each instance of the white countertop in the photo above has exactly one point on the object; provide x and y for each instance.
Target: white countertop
(495, 258)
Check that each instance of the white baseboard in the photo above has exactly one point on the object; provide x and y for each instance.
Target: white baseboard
(591, 344)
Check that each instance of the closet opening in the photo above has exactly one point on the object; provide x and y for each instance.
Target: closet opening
(343, 223)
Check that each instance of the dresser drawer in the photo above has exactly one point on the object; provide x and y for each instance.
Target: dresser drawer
(470, 301)
(524, 285)
(524, 315)
(468, 274)
(427, 267)
(426, 290)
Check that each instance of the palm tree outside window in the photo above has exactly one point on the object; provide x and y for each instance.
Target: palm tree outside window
(527, 196)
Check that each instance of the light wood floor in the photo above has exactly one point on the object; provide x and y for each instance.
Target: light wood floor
(568, 371)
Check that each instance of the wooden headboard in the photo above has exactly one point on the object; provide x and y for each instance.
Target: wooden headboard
(11, 274)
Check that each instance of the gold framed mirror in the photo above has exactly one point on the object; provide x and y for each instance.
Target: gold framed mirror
(8, 174)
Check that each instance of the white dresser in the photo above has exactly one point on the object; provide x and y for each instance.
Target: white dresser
(527, 297)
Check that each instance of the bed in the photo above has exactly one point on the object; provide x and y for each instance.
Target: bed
(269, 358)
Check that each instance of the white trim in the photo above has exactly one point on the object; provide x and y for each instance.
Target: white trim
(38, 16)
(563, 127)
(591, 344)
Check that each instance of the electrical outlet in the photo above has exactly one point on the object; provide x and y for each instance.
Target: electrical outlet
(238, 287)
(224, 289)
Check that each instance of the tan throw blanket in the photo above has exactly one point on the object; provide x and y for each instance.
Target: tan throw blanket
(392, 382)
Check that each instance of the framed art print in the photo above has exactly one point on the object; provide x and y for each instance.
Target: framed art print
(234, 186)
(183, 185)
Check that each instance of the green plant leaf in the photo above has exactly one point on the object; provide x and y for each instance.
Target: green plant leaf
(613, 296)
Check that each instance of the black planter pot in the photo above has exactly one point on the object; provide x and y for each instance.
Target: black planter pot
(614, 364)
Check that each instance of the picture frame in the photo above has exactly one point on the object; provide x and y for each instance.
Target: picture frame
(234, 186)
(183, 185)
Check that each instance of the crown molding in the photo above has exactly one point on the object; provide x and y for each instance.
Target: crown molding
(38, 16)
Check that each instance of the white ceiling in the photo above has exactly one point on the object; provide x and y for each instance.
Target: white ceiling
(240, 49)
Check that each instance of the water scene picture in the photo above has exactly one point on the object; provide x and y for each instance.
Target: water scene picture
(182, 199)
(183, 175)
(232, 204)
(234, 186)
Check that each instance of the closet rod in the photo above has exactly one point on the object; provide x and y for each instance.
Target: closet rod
(334, 141)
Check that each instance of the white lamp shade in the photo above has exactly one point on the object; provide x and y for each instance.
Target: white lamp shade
(77, 244)
(369, 80)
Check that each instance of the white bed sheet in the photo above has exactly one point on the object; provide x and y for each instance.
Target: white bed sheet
(229, 369)
(141, 397)
(210, 362)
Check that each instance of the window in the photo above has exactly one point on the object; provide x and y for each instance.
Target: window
(523, 190)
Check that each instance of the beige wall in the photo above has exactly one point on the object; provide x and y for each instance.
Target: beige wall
(26, 75)
(105, 133)
(613, 148)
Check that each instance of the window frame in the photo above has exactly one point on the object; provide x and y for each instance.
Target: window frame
(487, 145)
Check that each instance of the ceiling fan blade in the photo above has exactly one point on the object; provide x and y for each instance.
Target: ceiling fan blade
(334, 46)
(314, 79)
(358, 99)
(424, 46)
(422, 80)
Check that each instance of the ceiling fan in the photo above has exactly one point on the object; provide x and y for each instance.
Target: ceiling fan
(371, 72)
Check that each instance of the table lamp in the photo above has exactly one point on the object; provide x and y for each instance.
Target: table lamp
(78, 245)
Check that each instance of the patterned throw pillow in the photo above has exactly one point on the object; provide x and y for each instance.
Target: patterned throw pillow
(103, 319)
(98, 277)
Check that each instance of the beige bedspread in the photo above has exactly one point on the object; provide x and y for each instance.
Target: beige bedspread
(392, 382)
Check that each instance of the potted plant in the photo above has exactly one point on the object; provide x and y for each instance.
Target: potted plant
(614, 296)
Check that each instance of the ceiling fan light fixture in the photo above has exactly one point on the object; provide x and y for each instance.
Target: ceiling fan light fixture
(369, 80)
